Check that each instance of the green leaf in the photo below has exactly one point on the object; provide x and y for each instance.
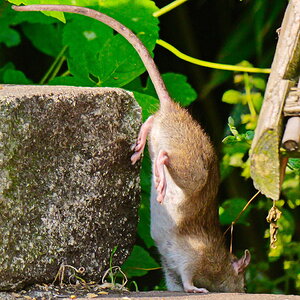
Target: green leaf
(234, 146)
(236, 160)
(246, 169)
(8, 36)
(145, 220)
(232, 127)
(15, 77)
(230, 209)
(90, 36)
(232, 97)
(32, 17)
(225, 168)
(229, 139)
(294, 164)
(259, 83)
(108, 59)
(45, 37)
(180, 90)
(8, 66)
(148, 103)
(249, 135)
(139, 259)
(147, 98)
(230, 121)
(291, 187)
(144, 210)
(58, 15)
(257, 99)
(69, 80)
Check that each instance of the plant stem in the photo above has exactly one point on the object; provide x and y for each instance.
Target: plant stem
(248, 95)
(208, 64)
(168, 8)
(66, 73)
(58, 57)
(57, 68)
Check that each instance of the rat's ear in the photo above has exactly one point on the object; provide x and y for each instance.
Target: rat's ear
(241, 264)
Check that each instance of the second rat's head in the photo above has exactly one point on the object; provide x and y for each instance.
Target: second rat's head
(226, 277)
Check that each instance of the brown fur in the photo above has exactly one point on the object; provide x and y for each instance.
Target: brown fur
(193, 166)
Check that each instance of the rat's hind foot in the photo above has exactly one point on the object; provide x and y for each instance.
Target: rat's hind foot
(189, 287)
(160, 177)
(139, 146)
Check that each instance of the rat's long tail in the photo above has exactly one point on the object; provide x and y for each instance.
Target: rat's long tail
(145, 56)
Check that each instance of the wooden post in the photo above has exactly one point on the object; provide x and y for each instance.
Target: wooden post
(291, 137)
(264, 155)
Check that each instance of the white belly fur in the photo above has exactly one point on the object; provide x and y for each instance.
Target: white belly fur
(164, 219)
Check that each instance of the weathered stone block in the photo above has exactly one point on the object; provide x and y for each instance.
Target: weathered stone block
(68, 191)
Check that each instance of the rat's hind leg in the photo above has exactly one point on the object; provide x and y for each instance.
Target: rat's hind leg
(160, 176)
(173, 281)
(139, 146)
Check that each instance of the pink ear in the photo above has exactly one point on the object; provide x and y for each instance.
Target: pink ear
(241, 264)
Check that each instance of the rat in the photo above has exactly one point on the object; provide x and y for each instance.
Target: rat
(184, 210)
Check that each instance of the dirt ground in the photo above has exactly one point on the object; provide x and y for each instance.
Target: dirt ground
(156, 295)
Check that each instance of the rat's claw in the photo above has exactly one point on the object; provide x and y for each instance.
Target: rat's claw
(132, 148)
(137, 146)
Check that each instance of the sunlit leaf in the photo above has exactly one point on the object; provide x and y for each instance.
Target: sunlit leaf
(232, 97)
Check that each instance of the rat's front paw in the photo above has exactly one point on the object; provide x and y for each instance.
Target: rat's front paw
(139, 146)
(138, 149)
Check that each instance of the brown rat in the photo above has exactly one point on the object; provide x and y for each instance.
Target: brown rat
(184, 210)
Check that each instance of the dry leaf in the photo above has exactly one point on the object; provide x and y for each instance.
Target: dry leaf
(91, 295)
(272, 218)
(103, 293)
(16, 295)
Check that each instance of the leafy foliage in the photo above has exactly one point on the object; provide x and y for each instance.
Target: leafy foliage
(84, 52)
(236, 149)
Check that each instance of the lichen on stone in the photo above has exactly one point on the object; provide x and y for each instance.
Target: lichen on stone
(68, 191)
